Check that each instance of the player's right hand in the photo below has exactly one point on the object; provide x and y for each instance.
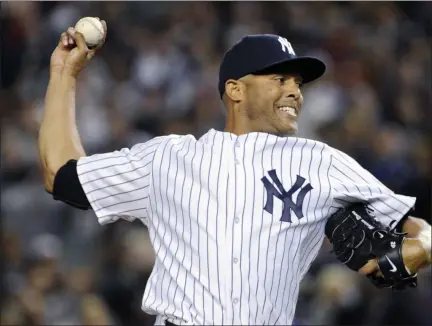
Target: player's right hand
(72, 54)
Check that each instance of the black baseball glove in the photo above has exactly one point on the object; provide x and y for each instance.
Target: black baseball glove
(358, 237)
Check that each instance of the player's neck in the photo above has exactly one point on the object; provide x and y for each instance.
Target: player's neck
(238, 128)
(238, 124)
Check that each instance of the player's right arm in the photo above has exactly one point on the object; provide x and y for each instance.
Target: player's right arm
(115, 185)
(59, 140)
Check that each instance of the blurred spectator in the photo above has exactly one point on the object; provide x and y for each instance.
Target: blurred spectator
(157, 74)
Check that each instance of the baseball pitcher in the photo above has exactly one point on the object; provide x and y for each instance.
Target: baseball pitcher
(236, 217)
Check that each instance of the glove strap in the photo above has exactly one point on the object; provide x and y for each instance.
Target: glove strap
(392, 267)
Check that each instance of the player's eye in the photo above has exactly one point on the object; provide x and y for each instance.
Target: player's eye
(280, 79)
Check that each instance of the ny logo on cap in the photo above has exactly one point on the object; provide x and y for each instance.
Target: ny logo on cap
(286, 46)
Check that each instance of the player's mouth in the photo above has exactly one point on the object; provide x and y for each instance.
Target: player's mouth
(288, 111)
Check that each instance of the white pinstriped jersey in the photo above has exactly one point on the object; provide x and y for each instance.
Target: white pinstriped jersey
(235, 221)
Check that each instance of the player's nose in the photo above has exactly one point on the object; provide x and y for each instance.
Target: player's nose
(292, 89)
(292, 93)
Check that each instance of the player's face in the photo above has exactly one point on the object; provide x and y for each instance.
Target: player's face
(273, 102)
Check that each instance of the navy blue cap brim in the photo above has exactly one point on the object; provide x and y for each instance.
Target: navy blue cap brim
(308, 68)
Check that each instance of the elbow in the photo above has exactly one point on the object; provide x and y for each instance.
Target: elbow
(53, 155)
(50, 165)
(49, 186)
(49, 181)
(49, 168)
(49, 174)
(50, 171)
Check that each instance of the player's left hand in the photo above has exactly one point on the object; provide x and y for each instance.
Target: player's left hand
(388, 258)
(414, 257)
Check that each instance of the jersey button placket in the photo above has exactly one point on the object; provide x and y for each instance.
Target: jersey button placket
(237, 228)
(237, 153)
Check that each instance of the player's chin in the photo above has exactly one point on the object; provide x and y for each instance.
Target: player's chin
(288, 127)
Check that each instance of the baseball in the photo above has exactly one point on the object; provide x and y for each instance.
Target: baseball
(92, 30)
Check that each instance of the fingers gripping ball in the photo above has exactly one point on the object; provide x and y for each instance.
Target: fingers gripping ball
(92, 30)
(358, 237)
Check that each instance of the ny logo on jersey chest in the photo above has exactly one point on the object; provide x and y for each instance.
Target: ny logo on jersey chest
(285, 196)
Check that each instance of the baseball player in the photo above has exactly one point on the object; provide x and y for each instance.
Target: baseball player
(235, 217)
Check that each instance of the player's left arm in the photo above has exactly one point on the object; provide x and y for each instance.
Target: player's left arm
(351, 183)
(417, 251)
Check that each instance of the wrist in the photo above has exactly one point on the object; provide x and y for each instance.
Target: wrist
(71, 70)
(424, 237)
(59, 85)
(55, 74)
(62, 77)
(68, 76)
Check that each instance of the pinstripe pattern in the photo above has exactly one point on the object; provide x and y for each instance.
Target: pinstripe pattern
(220, 257)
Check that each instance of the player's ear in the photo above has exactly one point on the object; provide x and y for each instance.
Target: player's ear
(234, 89)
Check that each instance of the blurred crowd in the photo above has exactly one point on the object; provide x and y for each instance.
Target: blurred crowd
(157, 74)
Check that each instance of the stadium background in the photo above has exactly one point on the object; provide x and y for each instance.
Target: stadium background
(157, 74)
